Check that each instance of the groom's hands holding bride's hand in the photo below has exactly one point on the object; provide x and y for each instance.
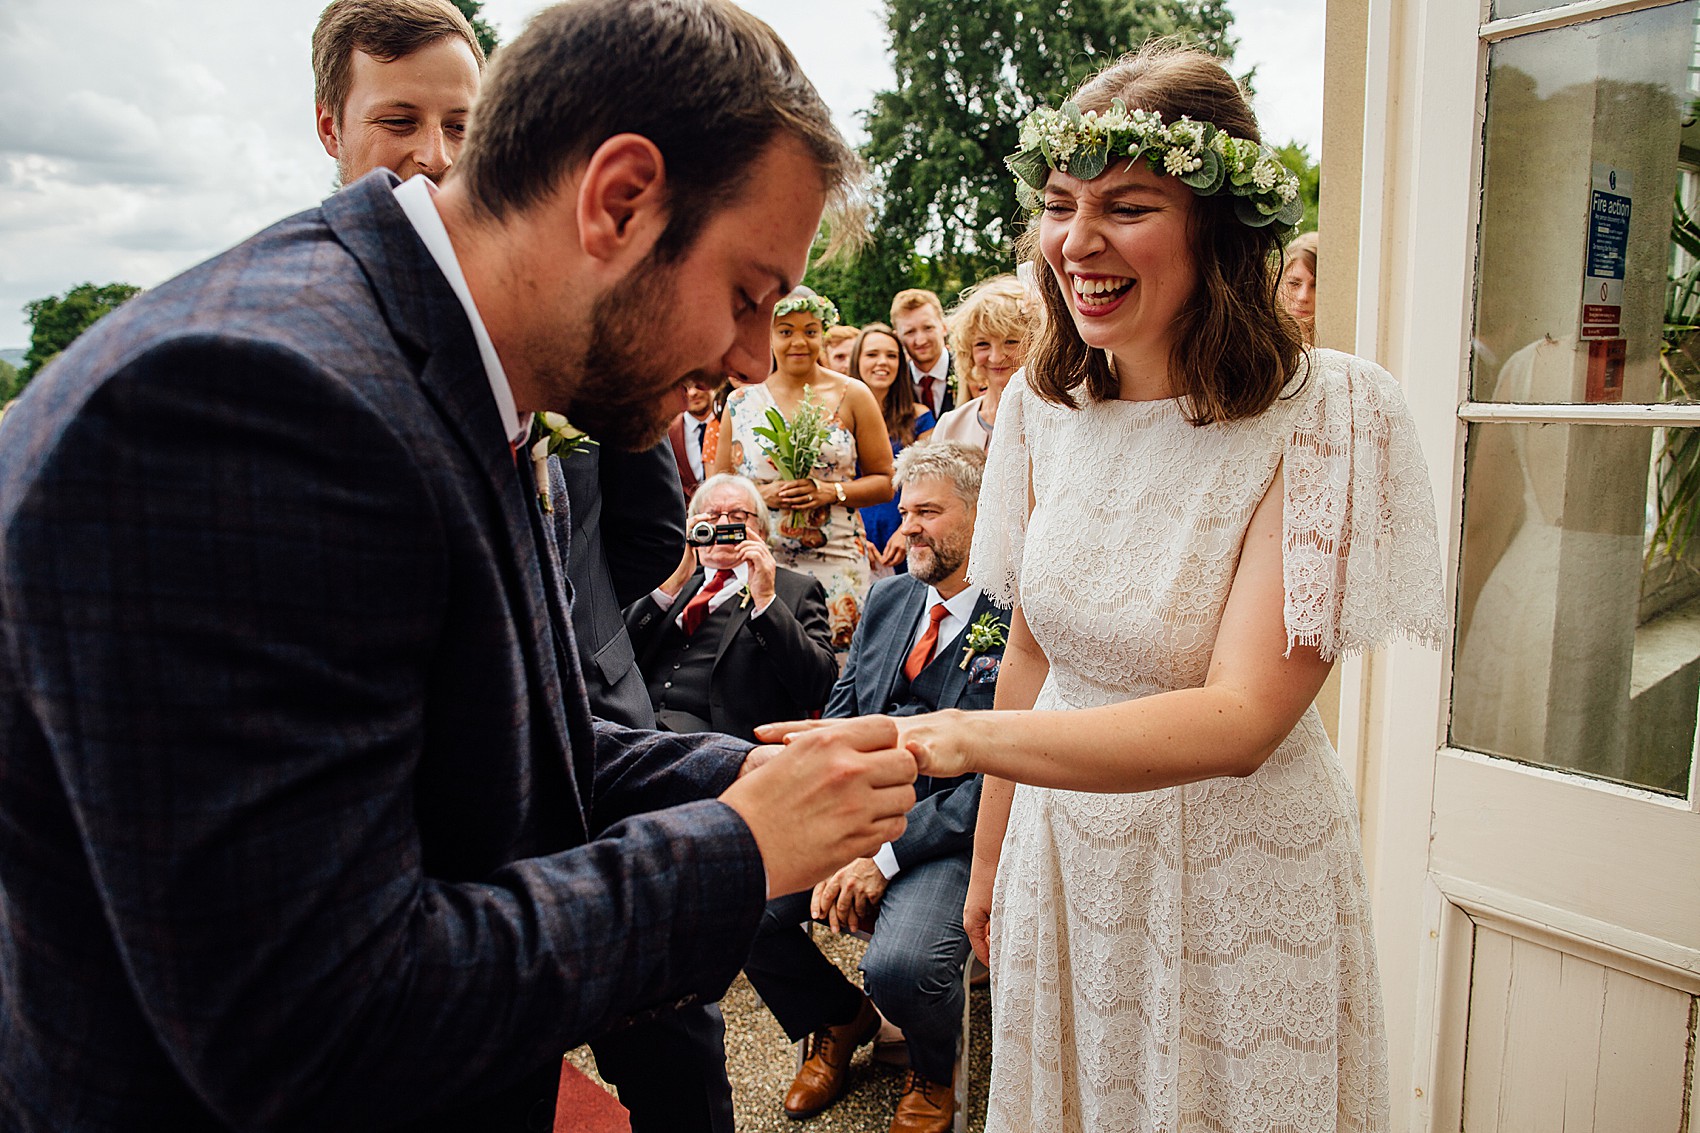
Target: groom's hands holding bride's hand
(836, 793)
(941, 742)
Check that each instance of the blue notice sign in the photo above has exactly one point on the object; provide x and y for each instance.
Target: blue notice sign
(1608, 235)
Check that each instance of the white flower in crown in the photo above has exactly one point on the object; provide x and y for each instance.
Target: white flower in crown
(1178, 161)
(1265, 175)
(1187, 134)
(1115, 118)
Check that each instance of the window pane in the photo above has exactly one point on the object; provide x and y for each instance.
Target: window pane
(1505, 9)
(1578, 640)
(1588, 129)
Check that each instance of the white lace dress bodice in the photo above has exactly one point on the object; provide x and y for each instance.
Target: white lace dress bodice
(1199, 957)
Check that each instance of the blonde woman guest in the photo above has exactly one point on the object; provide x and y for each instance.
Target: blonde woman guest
(816, 527)
(877, 360)
(990, 328)
(1298, 284)
(1180, 931)
(839, 341)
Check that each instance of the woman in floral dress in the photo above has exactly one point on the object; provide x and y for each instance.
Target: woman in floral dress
(816, 527)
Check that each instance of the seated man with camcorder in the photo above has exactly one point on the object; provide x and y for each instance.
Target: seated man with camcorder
(731, 639)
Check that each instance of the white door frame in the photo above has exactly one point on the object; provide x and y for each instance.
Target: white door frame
(1426, 807)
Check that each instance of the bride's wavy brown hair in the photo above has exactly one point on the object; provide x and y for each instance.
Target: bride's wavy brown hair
(1236, 348)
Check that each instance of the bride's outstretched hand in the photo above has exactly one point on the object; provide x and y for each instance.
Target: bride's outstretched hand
(939, 741)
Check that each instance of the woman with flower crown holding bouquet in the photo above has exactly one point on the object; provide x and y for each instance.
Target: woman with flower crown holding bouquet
(1193, 517)
(801, 436)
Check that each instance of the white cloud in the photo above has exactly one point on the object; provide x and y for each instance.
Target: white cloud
(142, 136)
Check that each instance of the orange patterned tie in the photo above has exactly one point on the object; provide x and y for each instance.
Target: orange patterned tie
(923, 651)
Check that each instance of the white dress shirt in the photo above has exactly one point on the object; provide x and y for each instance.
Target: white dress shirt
(415, 197)
(694, 436)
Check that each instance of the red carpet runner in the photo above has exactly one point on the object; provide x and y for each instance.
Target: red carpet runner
(584, 1107)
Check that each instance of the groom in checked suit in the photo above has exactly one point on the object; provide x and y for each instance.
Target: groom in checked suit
(914, 652)
(304, 820)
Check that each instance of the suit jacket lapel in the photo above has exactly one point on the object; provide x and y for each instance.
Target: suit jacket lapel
(887, 668)
(429, 322)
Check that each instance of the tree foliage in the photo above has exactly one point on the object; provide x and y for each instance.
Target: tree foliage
(967, 72)
(57, 320)
(485, 34)
(1296, 156)
(8, 381)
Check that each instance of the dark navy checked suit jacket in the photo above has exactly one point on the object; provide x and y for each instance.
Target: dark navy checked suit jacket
(304, 822)
(941, 822)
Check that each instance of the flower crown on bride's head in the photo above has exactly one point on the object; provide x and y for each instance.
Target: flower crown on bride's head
(1207, 160)
(819, 306)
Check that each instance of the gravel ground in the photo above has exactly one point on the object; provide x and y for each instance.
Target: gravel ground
(761, 1063)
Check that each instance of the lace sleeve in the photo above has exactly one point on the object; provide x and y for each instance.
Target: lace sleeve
(1000, 526)
(1361, 557)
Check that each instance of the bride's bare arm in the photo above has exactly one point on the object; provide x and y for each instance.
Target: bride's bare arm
(1252, 697)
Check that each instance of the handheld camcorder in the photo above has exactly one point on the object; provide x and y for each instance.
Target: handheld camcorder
(707, 534)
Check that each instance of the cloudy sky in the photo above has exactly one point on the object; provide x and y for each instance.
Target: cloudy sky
(142, 136)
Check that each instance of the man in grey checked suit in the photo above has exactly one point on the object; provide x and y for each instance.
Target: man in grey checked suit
(304, 820)
(914, 651)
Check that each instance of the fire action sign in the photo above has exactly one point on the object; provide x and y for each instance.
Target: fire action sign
(1602, 281)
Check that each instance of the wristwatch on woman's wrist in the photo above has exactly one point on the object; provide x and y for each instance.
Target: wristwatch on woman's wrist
(839, 485)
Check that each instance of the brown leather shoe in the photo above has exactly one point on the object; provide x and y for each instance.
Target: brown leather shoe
(826, 1054)
(925, 1107)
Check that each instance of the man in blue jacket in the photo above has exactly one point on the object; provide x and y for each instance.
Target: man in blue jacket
(926, 642)
(305, 822)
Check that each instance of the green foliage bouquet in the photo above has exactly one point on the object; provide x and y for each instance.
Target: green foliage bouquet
(794, 446)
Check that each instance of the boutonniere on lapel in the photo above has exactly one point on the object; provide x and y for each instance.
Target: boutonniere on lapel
(986, 633)
(744, 602)
(556, 437)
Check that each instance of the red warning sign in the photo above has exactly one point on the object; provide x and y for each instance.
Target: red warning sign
(1605, 370)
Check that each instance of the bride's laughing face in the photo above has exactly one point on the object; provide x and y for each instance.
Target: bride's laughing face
(1120, 247)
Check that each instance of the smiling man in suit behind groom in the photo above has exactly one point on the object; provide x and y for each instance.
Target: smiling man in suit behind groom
(916, 650)
(304, 819)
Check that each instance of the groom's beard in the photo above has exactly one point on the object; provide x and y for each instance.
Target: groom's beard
(624, 397)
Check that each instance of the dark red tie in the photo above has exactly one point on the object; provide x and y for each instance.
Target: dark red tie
(696, 610)
(928, 382)
(923, 651)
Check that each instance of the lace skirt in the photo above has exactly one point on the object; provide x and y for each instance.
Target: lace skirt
(1196, 958)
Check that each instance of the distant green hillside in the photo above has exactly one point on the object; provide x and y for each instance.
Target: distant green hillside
(13, 358)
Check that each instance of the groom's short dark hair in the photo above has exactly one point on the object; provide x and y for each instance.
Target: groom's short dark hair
(707, 82)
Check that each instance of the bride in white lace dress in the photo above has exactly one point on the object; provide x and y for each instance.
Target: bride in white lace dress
(1179, 933)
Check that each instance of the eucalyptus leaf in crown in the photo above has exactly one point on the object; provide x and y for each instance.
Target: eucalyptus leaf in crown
(1205, 159)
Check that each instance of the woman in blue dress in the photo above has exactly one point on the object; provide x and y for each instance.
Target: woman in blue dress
(877, 360)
